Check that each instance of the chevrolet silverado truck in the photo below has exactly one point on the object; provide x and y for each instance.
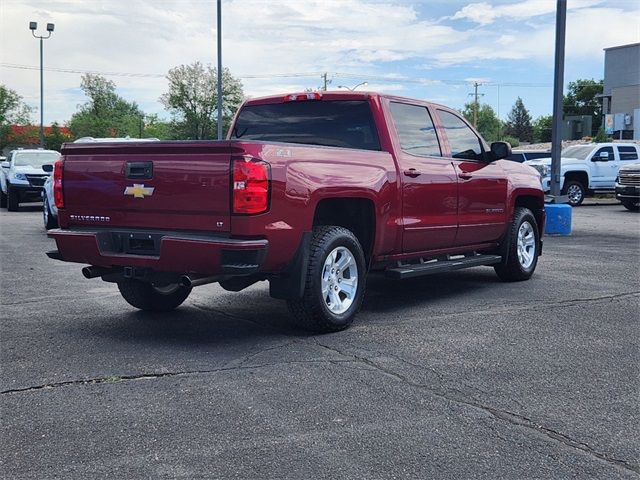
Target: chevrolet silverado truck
(587, 169)
(310, 191)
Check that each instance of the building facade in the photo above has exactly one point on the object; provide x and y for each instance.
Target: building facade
(621, 95)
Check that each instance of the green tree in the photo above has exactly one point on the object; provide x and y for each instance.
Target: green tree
(154, 127)
(192, 99)
(542, 127)
(519, 122)
(55, 138)
(13, 111)
(106, 114)
(581, 100)
(489, 125)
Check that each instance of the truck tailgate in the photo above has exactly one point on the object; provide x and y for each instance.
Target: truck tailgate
(159, 185)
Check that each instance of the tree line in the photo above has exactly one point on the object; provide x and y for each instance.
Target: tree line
(191, 100)
(581, 99)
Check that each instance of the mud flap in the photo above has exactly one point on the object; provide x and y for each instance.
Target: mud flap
(290, 284)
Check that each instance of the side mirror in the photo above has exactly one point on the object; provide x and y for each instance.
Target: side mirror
(500, 150)
(5, 164)
(601, 157)
(47, 168)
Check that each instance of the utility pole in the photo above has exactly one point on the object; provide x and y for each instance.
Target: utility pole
(475, 95)
(219, 69)
(326, 82)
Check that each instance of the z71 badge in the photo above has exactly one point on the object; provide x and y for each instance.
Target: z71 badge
(139, 190)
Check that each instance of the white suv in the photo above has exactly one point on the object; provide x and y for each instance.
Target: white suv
(22, 176)
(587, 168)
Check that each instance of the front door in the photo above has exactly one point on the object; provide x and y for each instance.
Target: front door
(482, 185)
(604, 169)
(429, 182)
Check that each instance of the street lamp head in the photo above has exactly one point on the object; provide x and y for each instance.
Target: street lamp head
(33, 25)
(50, 27)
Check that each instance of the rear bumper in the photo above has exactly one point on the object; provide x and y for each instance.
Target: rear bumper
(171, 252)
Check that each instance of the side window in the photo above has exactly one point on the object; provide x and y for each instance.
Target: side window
(628, 153)
(516, 157)
(415, 129)
(463, 142)
(609, 150)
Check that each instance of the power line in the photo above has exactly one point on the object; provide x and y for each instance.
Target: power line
(370, 77)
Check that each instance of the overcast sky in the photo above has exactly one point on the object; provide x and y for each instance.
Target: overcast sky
(424, 49)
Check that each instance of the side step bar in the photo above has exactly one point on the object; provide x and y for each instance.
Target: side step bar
(438, 266)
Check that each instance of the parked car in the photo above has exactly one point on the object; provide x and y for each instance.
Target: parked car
(589, 168)
(310, 191)
(49, 209)
(524, 155)
(22, 176)
(628, 186)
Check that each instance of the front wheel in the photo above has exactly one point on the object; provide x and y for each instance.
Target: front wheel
(523, 248)
(335, 281)
(632, 205)
(13, 199)
(575, 191)
(145, 296)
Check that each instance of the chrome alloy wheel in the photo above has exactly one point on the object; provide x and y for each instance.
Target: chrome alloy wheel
(574, 192)
(526, 245)
(339, 280)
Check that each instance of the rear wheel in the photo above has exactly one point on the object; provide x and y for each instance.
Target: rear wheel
(575, 190)
(335, 282)
(13, 199)
(145, 296)
(49, 220)
(523, 248)
(633, 205)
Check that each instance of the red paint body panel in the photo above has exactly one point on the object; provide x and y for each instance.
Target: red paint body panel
(436, 212)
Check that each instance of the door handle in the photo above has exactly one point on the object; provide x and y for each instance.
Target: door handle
(412, 172)
(465, 175)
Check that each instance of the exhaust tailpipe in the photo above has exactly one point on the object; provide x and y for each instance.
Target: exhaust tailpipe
(93, 271)
(187, 281)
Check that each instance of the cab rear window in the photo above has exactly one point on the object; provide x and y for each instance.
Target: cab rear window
(337, 123)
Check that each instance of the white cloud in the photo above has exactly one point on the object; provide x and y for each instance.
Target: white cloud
(484, 13)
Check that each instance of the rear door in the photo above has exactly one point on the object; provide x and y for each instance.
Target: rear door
(482, 185)
(170, 186)
(429, 185)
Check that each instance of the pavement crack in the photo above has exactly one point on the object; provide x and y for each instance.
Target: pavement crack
(114, 379)
(459, 397)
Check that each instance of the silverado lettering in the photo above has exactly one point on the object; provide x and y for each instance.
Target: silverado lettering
(311, 192)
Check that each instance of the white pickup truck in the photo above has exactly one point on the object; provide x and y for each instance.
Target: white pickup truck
(587, 168)
(22, 176)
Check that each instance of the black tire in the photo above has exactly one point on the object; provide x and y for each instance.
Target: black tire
(312, 311)
(3, 199)
(13, 199)
(515, 269)
(47, 217)
(632, 205)
(576, 192)
(145, 296)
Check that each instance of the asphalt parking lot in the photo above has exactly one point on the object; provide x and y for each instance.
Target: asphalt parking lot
(451, 376)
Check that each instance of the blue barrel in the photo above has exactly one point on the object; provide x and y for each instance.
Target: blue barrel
(558, 219)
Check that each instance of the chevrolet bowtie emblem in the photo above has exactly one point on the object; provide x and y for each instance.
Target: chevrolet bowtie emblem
(139, 190)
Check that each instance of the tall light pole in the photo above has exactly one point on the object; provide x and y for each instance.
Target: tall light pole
(352, 89)
(33, 26)
(558, 89)
(219, 69)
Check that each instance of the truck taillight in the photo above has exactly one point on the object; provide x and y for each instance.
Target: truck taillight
(302, 97)
(250, 186)
(58, 196)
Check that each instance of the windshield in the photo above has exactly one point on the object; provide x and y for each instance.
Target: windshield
(34, 159)
(578, 151)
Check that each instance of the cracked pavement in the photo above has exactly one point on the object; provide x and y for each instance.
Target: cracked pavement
(450, 376)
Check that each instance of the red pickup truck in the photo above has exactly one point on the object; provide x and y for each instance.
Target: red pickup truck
(309, 191)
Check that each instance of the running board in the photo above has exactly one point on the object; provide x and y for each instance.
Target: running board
(439, 266)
